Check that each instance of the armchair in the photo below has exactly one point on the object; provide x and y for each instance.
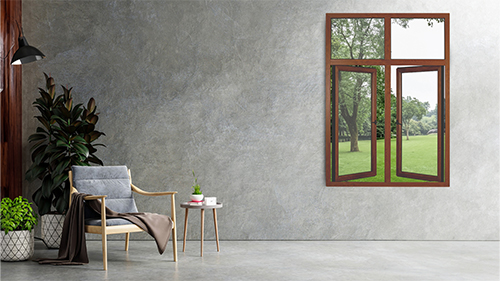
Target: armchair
(112, 185)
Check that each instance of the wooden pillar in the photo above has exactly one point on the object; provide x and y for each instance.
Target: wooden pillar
(11, 176)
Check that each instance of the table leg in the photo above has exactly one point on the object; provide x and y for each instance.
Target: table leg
(216, 230)
(202, 223)
(185, 230)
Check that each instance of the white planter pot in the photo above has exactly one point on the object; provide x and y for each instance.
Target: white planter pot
(52, 225)
(196, 197)
(17, 245)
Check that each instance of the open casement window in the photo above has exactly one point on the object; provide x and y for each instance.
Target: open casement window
(387, 100)
(427, 165)
(355, 110)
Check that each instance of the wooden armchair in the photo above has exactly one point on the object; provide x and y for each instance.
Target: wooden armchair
(115, 184)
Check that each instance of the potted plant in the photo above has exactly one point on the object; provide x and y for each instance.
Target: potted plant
(17, 221)
(197, 196)
(64, 138)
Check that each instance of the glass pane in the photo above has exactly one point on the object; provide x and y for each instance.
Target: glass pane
(419, 122)
(417, 38)
(357, 38)
(354, 134)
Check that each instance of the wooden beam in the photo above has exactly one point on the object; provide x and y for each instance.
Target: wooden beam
(11, 176)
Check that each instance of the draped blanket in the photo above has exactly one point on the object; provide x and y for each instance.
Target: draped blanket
(73, 249)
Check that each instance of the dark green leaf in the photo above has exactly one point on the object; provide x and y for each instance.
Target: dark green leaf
(61, 205)
(77, 110)
(57, 156)
(81, 149)
(91, 105)
(44, 122)
(39, 158)
(58, 180)
(35, 137)
(52, 91)
(36, 145)
(34, 172)
(62, 166)
(69, 104)
(60, 143)
(78, 139)
(95, 160)
(47, 187)
(93, 120)
(41, 130)
(37, 151)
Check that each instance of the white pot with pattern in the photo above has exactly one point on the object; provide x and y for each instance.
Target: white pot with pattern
(52, 225)
(17, 245)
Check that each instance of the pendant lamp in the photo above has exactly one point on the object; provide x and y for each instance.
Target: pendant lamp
(26, 53)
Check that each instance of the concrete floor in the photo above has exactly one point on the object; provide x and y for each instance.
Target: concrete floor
(275, 260)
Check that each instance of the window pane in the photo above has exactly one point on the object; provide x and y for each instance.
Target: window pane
(355, 117)
(419, 111)
(357, 38)
(417, 38)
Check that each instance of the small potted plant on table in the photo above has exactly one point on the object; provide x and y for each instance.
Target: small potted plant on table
(197, 196)
(18, 219)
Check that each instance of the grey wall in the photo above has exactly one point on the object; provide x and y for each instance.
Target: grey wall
(235, 91)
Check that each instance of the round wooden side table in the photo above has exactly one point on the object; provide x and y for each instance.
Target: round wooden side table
(188, 206)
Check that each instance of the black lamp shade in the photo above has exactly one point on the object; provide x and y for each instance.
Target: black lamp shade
(26, 53)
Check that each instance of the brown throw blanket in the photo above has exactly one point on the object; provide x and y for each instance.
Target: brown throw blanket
(73, 250)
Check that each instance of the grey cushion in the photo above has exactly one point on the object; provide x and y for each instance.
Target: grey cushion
(109, 222)
(112, 181)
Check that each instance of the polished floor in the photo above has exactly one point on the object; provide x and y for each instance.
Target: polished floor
(275, 260)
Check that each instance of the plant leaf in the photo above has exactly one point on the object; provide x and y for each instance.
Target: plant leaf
(79, 139)
(58, 180)
(35, 137)
(81, 149)
(47, 187)
(61, 166)
(61, 143)
(91, 105)
(44, 122)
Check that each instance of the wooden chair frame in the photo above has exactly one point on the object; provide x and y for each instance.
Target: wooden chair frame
(127, 229)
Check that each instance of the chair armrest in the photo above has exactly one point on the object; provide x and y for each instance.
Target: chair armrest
(94, 197)
(172, 201)
(146, 193)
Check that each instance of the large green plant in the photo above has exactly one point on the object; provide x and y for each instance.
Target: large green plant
(64, 139)
(17, 214)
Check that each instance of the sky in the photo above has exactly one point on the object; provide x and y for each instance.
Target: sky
(419, 41)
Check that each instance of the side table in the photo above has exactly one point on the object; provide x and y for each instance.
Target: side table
(188, 206)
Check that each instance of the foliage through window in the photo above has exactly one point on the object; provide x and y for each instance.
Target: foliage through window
(387, 99)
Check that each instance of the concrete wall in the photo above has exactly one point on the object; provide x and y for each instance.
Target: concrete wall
(235, 91)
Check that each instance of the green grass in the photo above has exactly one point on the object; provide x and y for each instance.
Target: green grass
(419, 156)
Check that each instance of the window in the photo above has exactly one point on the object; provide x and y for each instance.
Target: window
(387, 100)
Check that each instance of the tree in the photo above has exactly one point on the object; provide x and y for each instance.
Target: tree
(412, 109)
(354, 103)
(361, 38)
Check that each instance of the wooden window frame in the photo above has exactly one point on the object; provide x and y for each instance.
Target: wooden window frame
(399, 135)
(373, 153)
(387, 62)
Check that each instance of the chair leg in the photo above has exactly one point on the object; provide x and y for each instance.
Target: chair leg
(127, 239)
(105, 251)
(174, 240)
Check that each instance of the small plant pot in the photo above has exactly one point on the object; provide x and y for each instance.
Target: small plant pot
(196, 197)
(17, 245)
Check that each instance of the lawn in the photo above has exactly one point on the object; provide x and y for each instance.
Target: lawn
(419, 156)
